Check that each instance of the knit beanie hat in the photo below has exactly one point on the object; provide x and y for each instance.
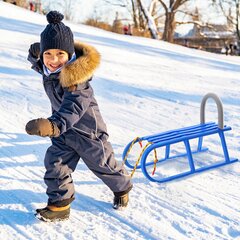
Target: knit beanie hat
(56, 35)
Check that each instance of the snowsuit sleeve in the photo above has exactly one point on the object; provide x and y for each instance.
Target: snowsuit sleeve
(73, 107)
(33, 58)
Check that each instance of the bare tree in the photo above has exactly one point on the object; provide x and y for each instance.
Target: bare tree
(231, 10)
(150, 20)
(68, 6)
(64, 6)
(134, 13)
(170, 8)
(119, 3)
(130, 5)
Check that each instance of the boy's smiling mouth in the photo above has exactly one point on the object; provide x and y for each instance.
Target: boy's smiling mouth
(54, 67)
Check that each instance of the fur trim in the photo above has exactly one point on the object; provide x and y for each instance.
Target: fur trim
(82, 69)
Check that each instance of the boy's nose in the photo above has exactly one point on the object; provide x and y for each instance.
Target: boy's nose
(54, 58)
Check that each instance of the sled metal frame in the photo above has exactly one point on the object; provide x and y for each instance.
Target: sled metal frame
(166, 139)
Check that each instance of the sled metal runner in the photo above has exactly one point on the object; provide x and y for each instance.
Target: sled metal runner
(166, 139)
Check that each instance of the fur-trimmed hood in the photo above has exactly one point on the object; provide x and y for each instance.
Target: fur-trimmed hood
(82, 69)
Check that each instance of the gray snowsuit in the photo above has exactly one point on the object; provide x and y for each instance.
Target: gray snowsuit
(83, 133)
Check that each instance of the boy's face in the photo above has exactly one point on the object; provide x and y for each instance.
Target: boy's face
(54, 59)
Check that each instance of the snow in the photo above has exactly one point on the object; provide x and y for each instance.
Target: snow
(143, 86)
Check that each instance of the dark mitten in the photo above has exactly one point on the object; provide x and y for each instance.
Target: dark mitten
(34, 50)
(42, 127)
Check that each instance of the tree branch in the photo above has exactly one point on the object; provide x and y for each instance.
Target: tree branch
(115, 4)
(178, 3)
(164, 5)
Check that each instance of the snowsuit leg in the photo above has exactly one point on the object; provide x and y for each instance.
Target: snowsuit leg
(60, 161)
(97, 154)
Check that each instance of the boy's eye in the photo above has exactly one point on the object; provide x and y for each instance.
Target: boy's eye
(47, 53)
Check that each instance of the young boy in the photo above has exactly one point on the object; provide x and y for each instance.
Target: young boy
(76, 127)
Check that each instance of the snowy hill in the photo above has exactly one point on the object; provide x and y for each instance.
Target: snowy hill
(143, 87)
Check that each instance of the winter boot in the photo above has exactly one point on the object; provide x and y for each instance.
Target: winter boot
(38, 210)
(120, 202)
(53, 213)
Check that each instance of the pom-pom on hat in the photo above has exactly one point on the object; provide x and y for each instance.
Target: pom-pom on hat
(56, 35)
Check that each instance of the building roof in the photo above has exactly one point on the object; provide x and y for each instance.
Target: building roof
(211, 31)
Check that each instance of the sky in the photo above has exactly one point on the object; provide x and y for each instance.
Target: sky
(84, 9)
(143, 87)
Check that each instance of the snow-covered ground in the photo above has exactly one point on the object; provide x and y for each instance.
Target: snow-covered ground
(143, 87)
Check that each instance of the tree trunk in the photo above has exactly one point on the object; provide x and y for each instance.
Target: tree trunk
(150, 21)
(141, 19)
(169, 27)
(170, 11)
(237, 20)
(134, 14)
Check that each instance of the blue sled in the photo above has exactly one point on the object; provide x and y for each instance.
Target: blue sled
(166, 139)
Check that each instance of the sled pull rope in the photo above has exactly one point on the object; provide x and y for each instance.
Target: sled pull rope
(140, 156)
(130, 148)
(155, 161)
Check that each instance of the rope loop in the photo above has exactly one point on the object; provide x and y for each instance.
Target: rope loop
(155, 161)
(130, 148)
(140, 156)
(137, 139)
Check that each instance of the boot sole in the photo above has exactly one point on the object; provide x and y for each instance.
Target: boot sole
(43, 219)
(120, 208)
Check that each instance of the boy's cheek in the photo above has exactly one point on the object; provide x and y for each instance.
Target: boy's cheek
(44, 60)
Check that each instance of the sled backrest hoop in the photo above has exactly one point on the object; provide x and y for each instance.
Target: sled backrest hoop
(219, 108)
